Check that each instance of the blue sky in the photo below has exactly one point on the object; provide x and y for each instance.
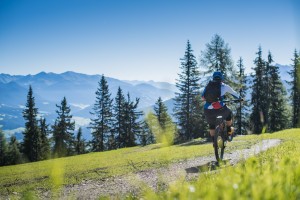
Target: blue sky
(139, 39)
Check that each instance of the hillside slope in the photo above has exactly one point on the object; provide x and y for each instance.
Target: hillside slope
(91, 175)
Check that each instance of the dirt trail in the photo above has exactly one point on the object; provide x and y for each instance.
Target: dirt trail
(156, 178)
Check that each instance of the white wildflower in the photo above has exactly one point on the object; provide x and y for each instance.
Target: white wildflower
(192, 188)
(235, 186)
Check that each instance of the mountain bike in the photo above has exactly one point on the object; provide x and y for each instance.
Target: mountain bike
(221, 135)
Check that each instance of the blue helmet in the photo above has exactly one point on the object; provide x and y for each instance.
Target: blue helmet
(218, 76)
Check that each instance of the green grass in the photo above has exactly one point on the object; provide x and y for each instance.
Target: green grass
(274, 174)
(51, 175)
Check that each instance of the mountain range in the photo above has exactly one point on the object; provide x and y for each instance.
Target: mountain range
(79, 90)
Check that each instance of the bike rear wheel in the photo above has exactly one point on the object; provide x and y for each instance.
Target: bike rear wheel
(219, 144)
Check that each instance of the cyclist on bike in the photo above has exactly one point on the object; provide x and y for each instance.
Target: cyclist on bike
(213, 94)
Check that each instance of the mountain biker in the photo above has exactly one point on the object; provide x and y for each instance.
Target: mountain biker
(214, 94)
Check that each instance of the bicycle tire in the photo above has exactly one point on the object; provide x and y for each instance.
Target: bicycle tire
(219, 143)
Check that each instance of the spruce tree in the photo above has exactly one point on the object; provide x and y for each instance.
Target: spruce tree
(161, 112)
(31, 145)
(241, 119)
(13, 154)
(45, 143)
(199, 124)
(188, 86)
(79, 143)
(3, 149)
(132, 123)
(295, 90)
(267, 87)
(119, 119)
(146, 136)
(259, 95)
(164, 120)
(277, 100)
(216, 57)
(63, 130)
(101, 124)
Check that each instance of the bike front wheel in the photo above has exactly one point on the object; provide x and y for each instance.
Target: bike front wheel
(219, 144)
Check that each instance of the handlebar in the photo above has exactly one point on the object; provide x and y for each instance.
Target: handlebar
(233, 100)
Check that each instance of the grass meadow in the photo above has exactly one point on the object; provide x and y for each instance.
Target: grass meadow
(274, 174)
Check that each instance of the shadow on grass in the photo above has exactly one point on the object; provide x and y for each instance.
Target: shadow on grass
(195, 142)
(210, 166)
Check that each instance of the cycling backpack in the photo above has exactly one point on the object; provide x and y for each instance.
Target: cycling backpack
(212, 91)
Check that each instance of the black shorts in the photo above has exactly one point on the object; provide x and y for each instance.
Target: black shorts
(211, 114)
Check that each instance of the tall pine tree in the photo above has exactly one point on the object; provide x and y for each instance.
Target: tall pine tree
(199, 123)
(132, 123)
(79, 143)
(63, 130)
(13, 154)
(241, 119)
(161, 112)
(146, 136)
(119, 116)
(216, 57)
(277, 98)
(45, 143)
(102, 122)
(267, 87)
(259, 98)
(3, 149)
(166, 125)
(295, 90)
(188, 86)
(31, 145)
